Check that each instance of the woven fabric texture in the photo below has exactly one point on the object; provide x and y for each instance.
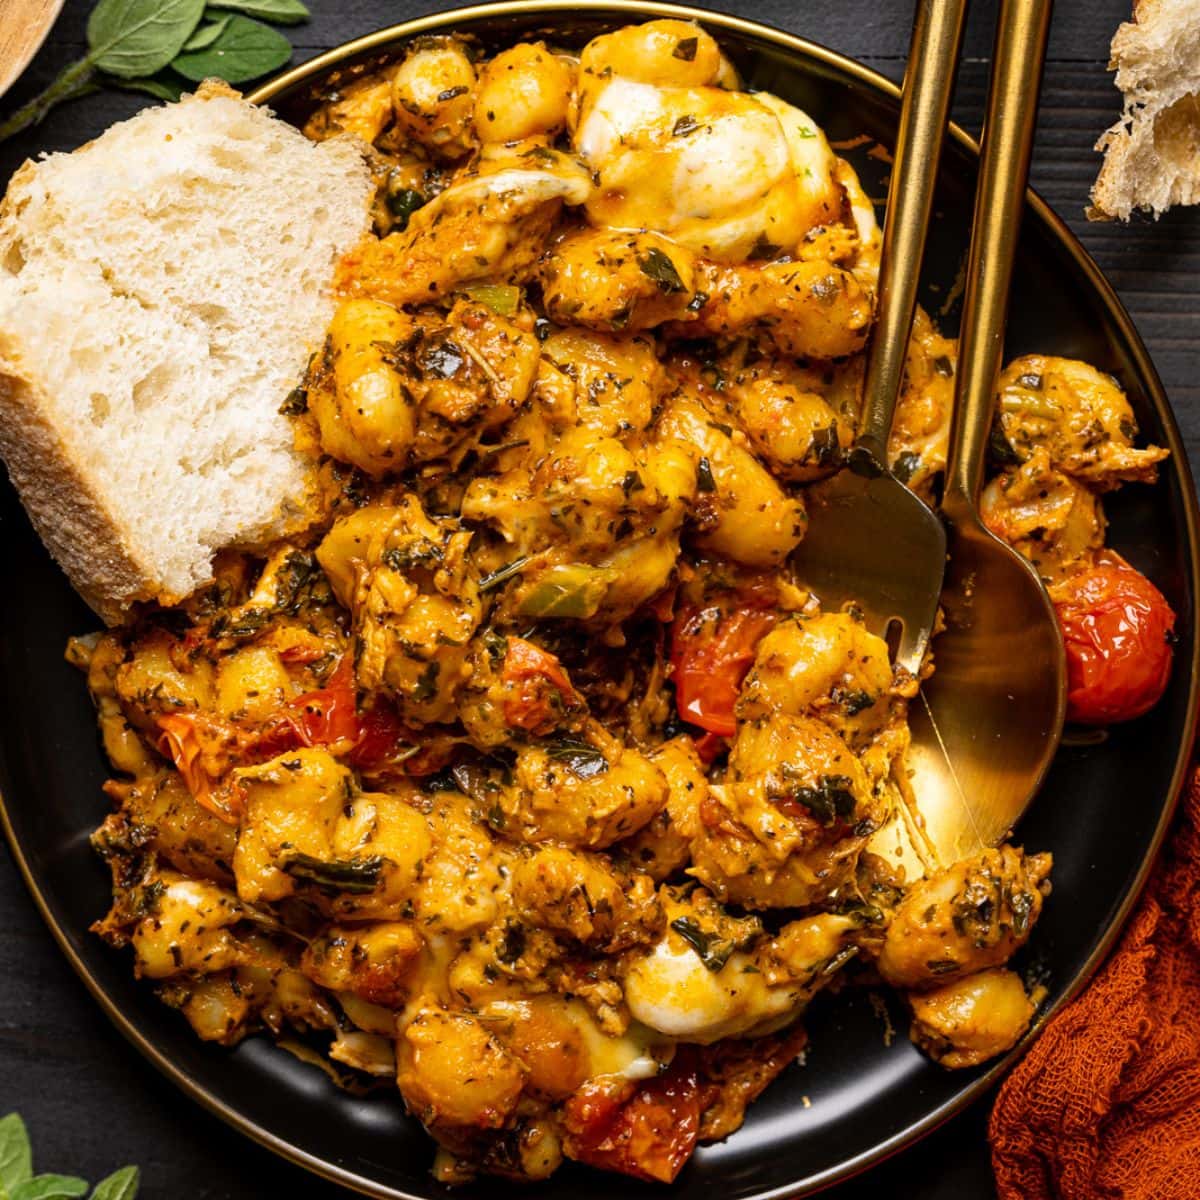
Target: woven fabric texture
(1107, 1102)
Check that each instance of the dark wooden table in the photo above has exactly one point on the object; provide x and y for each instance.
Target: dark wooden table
(90, 1102)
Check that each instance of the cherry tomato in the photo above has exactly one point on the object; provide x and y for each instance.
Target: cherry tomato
(647, 1130)
(382, 738)
(711, 650)
(328, 714)
(537, 691)
(1118, 629)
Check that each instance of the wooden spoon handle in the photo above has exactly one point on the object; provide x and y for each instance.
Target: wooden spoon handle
(928, 87)
(1020, 49)
(23, 27)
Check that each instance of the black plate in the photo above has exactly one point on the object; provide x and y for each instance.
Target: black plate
(1103, 810)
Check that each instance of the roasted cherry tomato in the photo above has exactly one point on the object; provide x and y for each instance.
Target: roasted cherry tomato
(537, 691)
(1118, 629)
(329, 714)
(647, 1130)
(383, 739)
(712, 648)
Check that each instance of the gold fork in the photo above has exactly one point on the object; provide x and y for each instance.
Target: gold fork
(990, 718)
(870, 541)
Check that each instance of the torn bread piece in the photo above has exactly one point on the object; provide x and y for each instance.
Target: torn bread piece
(1152, 155)
(161, 291)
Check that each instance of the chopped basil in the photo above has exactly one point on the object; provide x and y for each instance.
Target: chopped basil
(354, 875)
(503, 574)
(632, 483)
(426, 685)
(831, 800)
(296, 402)
(686, 49)
(714, 951)
(685, 125)
(512, 944)
(1000, 448)
(1031, 381)
(763, 249)
(659, 267)
(402, 203)
(580, 758)
(852, 702)
(826, 447)
(942, 966)
(441, 359)
(704, 477)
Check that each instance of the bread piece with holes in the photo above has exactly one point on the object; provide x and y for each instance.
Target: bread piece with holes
(1152, 155)
(161, 290)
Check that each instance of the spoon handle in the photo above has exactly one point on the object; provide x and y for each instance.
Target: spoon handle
(1021, 31)
(928, 87)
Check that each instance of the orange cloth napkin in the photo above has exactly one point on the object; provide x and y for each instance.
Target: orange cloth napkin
(1107, 1102)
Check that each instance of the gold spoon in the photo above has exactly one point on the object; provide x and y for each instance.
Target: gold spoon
(990, 718)
(870, 541)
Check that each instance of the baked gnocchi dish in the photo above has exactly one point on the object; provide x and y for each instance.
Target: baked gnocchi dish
(532, 780)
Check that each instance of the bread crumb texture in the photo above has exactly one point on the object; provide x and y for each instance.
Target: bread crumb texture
(161, 289)
(1152, 155)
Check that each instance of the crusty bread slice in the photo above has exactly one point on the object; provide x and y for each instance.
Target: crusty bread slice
(1152, 155)
(161, 289)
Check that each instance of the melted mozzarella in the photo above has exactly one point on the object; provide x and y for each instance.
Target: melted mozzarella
(725, 173)
(672, 991)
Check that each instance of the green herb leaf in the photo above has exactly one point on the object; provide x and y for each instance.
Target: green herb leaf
(206, 34)
(662, 270)
(502, 574)
(120, 1185)
(132, 38)
(686, 48)
(278, 12)
(245, 50)
(704, 477)
(50, 1187)
(426, 686)
(354, 875)
(826, 448)
(580, 758)
(831, 800)
(160, 87)
(714, 951)
(402, 202)
(16, 1157)
(1000, 448)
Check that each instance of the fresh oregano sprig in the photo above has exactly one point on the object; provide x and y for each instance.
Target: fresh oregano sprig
(18, 1182)
(159, 46)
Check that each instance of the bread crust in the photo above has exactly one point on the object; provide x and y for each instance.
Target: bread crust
(73, 495)
(1152, 154)
(66, 505)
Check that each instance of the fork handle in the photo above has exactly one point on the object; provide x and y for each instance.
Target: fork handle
(1020, 49)
(928, 87)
